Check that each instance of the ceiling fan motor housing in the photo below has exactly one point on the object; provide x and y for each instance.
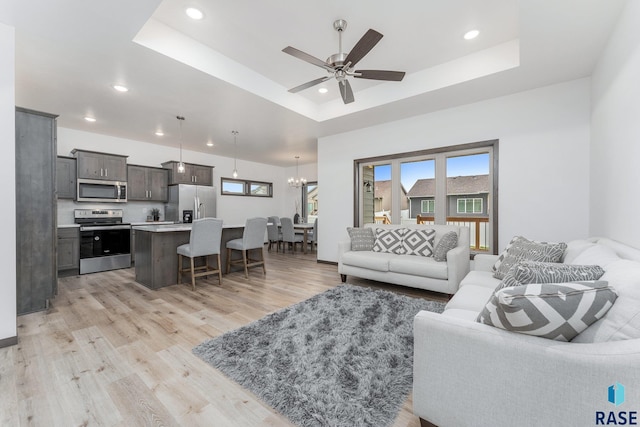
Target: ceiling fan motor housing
(336, 60)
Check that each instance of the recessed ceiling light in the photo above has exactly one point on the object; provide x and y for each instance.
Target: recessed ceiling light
(89, 119)
(323, 90)
(209, 144)
(194, 13)
(121, 88)
(159, 133)
(469, 35)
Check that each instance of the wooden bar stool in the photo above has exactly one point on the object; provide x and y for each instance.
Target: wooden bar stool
(204, 240)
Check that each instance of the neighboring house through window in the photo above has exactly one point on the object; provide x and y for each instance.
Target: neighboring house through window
(473, 205)
(427, 206)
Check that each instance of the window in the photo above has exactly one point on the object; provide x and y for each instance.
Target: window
(453, 185)
(427, 206)
(241, 187)
(470, 205)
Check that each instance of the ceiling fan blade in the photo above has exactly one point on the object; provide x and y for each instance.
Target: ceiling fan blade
(395, 76)
(364, 45)
(306, 57)
(309, 84)
(346, 92)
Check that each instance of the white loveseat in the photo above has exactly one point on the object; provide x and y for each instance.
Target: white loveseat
(471, 374)
(409, 270)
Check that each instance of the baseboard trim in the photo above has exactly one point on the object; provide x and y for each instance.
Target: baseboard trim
(8, 342)
(321, 261)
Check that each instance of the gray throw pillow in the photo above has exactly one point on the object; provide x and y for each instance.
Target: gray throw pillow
(525, 272)
(522, 249)
(418, 242)
(361, 238)
(446, 243)
(558, 311)
(389, 240)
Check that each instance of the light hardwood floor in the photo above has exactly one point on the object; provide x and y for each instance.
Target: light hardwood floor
(110, 352)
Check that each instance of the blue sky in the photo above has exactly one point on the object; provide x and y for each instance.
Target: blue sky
(477, 164)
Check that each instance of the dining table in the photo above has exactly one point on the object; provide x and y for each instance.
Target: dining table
(305, 227)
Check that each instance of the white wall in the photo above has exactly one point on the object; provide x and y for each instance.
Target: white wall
(232, 209)
(544, 160)
(8, 178)
(615, 134)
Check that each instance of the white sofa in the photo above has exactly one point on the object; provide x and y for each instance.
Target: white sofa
(471, 374)
(409, 270)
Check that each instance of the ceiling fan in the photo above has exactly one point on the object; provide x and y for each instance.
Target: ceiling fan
(340, 65)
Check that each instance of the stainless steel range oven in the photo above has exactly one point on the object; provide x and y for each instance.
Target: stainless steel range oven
(105, 241)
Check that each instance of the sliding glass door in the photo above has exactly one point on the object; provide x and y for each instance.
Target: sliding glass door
(444, 186)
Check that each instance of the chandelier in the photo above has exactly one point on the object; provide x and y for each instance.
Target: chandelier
(298, 181)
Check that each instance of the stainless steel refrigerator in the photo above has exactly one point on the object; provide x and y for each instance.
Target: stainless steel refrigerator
(199, 199)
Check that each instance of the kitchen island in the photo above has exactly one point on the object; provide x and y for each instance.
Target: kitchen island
(156, 257)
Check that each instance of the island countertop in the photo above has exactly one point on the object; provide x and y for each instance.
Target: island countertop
(166, 228)
(156, 256)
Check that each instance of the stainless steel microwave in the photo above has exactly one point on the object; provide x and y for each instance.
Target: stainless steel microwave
(93, 190)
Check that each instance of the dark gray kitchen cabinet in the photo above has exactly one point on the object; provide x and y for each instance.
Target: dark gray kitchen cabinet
(194, 174)
(36, 279)
(147, 183)
(66, 177)
(103, 166)
(68, 251)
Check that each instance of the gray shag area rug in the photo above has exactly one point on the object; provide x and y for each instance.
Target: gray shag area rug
(340, 358)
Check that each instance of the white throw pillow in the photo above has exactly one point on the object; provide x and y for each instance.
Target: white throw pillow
(597, 255)
(575, 248)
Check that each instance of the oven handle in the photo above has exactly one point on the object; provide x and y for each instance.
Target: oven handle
(105, 227)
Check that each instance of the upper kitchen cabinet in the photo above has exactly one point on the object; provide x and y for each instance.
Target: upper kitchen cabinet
(193, 174)
(66, 177)
(147, 183)
(36, 279)
(103, 166)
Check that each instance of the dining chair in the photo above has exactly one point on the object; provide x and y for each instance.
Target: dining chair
(288, 234)
(312, 236)
(273, 232)
(252, 239)
(204, 240)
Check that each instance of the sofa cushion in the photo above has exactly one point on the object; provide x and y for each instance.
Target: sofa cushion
(524, 249)
(418, 266)
(470, 297)
(481, 278)
(622, 322)
(418, 242)
(525, 272)
(378, 261)
(362, 239)
(557, 311)
(389, 240)
(444, 245)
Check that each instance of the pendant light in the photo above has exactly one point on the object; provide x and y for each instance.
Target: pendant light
(181, 168)
(297, 181)
(235, 155)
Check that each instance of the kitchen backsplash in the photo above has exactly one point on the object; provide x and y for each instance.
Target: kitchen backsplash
(133, 211)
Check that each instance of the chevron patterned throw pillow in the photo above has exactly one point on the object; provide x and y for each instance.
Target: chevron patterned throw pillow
(558, 311)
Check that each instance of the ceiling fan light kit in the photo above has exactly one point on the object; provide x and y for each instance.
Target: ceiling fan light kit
(340, 65)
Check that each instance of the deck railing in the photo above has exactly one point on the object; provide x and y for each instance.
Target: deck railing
(478, 229)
